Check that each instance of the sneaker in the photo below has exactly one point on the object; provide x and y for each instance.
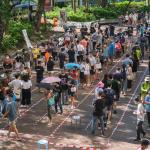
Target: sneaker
(137, 140)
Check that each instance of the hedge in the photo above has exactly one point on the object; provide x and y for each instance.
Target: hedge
(95, 13)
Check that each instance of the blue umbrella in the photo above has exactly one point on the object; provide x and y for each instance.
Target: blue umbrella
(72, 66)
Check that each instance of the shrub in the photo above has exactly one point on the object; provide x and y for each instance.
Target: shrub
(103, 13)
(14, 36)
(80, 14)
(8, 42)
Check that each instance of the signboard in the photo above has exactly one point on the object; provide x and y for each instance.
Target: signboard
(26, 38)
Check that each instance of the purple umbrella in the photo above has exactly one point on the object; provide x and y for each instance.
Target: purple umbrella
(51, 80)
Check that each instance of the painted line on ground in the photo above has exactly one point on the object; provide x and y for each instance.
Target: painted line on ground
(61, 124)
(88, 125)
(125, 110)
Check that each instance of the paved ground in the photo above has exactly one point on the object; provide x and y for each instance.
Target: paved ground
(62, 135)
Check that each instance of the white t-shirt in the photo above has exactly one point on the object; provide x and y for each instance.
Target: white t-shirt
(16, 84)
(87, 69)
(80, 48)
(140, 112)
(92, 60)
(26, 85)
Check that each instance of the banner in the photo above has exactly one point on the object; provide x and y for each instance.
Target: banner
(26, 38)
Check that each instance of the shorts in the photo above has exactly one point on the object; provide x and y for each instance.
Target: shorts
(72, 94)
(12, 124)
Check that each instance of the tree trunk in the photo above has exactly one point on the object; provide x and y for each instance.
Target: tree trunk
(1, 32)
(40, 10)
(128, 5)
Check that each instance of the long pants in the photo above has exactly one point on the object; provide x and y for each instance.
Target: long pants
(26, 97)
(140, 129)
(101, 121)
(148, 117)
(64, 97)
(58, 103)
(129, 84)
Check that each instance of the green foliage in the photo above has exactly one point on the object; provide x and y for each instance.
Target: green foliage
(14, 36)
(80, 14)
(121, 7)
(103, 13)
(96, 13)
(8, 42)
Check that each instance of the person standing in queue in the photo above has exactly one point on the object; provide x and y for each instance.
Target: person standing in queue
(26, 90)
(50, 102)
(58, 101)
(98, 112)
(140, 119)
(39, 73)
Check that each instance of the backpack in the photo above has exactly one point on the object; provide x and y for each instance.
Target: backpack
(109, 96)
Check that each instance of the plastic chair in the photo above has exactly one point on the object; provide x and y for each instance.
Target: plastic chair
(76, 119)
(42, 142)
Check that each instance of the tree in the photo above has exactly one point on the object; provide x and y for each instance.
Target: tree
(104, 3)
(5, 14)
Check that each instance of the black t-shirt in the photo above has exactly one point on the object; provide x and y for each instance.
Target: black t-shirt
(50, 65)
(62, 57)
(64, 81)
(99, 106)
(71, 55)
(39, 70)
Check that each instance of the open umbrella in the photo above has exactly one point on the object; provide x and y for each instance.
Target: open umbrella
(72, 66)
(46, 86)
(50, 80)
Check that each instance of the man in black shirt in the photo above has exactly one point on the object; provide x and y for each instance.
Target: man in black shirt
(39, 72)
(64, 86)
(71, 54)
(98, 112)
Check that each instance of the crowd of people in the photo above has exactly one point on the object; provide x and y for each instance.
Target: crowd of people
(94, 50)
